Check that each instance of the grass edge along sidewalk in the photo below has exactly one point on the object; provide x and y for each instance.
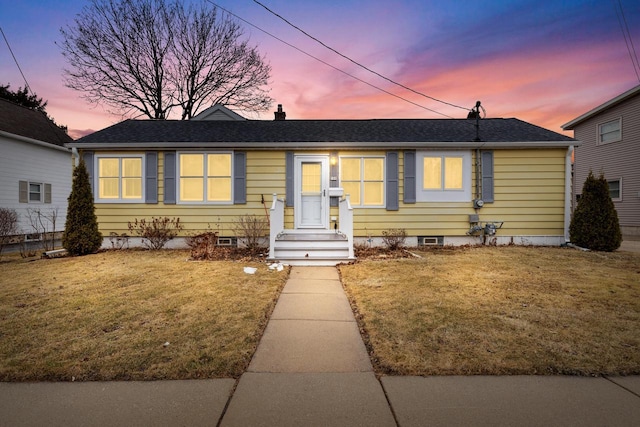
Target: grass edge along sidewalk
(497, 311)
(131, 315)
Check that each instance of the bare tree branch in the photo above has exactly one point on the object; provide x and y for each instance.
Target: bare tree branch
(146, 57)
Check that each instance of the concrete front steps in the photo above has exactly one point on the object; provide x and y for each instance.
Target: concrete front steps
(318, 248)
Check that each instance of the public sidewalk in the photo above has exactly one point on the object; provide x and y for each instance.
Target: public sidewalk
(311, 369)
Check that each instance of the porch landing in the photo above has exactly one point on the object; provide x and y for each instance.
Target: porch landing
(311, 248)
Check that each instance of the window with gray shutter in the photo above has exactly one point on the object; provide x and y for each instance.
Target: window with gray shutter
(410, 176)
(151, 177)
(239, 177)
(47, 193)
(170, 178)
(487, 176)
(393, 203)
(289, 173)
(23, 191)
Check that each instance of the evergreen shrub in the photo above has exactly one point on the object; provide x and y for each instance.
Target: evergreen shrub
(595, 222)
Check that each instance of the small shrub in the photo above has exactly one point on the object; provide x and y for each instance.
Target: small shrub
(119, 241)
(8, 226)
(157, 232)
(81, 235)
(594, 224)
(394, 238)
(252, 229)
(203, 245)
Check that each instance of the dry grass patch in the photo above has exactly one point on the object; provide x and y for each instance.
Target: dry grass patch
(107, 316)
(510, 310)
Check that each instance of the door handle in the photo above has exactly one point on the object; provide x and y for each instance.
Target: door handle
(324, 193)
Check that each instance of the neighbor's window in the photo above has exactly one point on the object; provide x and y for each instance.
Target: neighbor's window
(35, 192)
(615, 189)
(205, 177)
(443, 176)
(610, 131)
(120, 178)
(363, 179)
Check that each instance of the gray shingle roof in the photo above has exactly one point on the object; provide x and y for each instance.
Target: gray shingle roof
(308, 132)
(23, 121)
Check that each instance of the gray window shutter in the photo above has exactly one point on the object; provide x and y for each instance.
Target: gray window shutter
(47, 193)
(333, 173)
(392, 181)
(170, 178)
(87, 156)
(151, 177)
(23, 191)
(239, 177)
(410, 176)
(487, 176)
(289, 171)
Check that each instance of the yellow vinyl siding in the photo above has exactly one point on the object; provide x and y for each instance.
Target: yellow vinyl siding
(265, 176)
(529, 198)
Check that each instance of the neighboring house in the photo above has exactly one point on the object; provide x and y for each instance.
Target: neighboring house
(35, 169)
(610, 136)
(433, 178)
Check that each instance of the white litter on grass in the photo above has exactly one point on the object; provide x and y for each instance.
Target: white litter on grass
(166, 344)
(276, 266)
(250, 270)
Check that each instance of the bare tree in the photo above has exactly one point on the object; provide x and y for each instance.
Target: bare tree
(147, 57)
(8, 226)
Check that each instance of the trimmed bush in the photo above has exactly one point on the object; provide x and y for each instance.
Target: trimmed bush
(156, 232)
(595, 221)
(81, 235)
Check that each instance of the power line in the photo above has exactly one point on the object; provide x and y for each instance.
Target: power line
(28, 88)
(332, 66)
(357, 63)
(16, 61)
(624, 27)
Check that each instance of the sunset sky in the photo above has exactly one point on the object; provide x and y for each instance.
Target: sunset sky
(545, 61)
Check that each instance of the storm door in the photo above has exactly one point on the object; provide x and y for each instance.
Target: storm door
(312, 183)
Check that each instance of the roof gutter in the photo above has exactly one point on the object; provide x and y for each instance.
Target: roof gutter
(313, 145)
(35, 141)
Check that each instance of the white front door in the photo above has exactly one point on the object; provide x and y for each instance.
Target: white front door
(312, 185)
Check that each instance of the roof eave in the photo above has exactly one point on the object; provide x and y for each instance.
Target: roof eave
(321, 145)
(34, 141)
(600, 108)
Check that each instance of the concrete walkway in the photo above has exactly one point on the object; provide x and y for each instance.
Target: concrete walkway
(311, 368)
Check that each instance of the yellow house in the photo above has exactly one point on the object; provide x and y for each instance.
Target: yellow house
(326, 185)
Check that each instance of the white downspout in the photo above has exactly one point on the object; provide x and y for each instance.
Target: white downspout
(568, 184)
(75, 156)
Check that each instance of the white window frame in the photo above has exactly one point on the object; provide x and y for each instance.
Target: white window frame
(204, 189)
(599, 134)
(444, 195)
(41, 192)
(619, 180)
(120, 156)
(362, 181)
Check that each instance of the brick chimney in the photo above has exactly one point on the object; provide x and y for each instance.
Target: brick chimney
(279, 115)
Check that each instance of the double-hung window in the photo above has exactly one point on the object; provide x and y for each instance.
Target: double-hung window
(443, 176)
(205, 177)
(363, 179)
(34, 192)
(615, 189)
(120, 178)
(610, 131)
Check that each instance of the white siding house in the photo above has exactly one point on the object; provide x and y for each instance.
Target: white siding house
(35, 167)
